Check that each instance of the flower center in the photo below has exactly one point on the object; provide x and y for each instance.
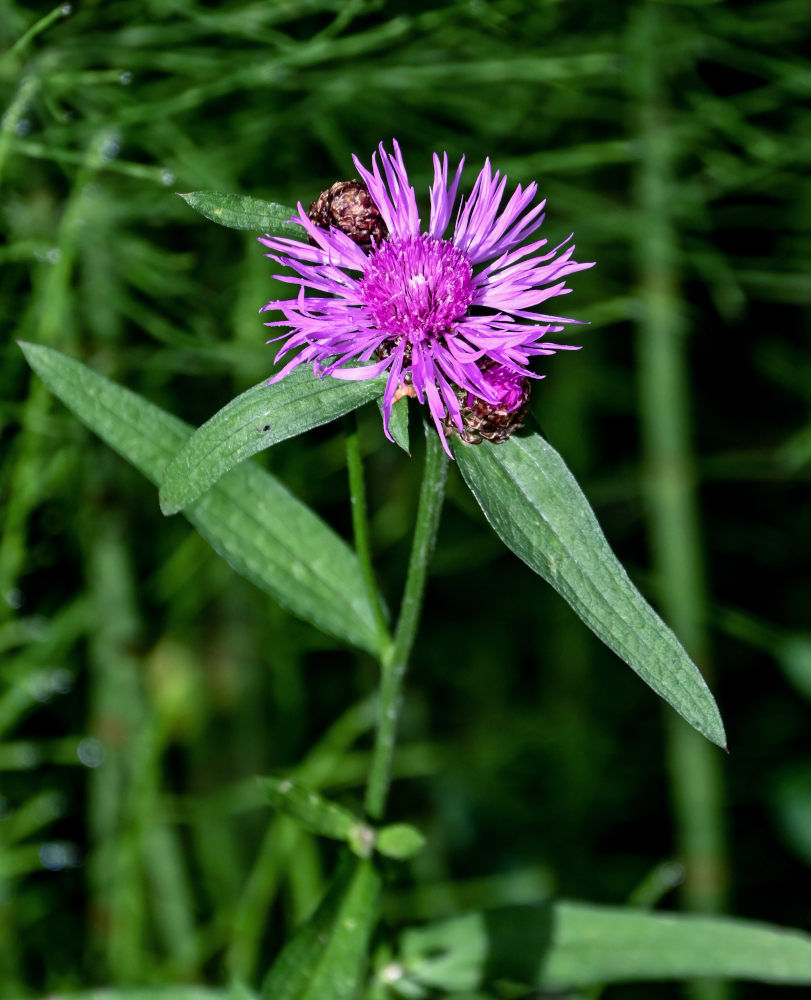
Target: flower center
(417, 287)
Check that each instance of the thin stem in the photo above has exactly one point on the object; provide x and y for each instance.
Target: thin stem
(360, 528)
(393, 666)
(44, 22)
(695, 775)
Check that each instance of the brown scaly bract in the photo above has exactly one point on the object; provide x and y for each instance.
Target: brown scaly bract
(348, 206)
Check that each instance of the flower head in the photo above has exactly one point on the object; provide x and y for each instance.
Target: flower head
(496, 419)
(453, 319)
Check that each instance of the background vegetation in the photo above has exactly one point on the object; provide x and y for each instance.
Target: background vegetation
(143, 684)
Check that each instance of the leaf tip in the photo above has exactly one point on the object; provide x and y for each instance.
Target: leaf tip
(167, 503)
(29, 351)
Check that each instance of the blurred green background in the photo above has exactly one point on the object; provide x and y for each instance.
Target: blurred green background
(143, 684)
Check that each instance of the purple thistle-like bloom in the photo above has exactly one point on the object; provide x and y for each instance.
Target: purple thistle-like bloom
(452, 318)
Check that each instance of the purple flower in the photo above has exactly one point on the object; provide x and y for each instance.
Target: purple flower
(451, 318)
(507, 385)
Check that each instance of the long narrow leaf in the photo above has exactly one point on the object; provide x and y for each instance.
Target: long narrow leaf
(263, 531)
(310, 808)
(326, 958)
(535, 505)
(239, 211)
(571, 945)
(255, 420)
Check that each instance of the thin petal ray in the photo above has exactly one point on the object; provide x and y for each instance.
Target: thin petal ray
(453, 319)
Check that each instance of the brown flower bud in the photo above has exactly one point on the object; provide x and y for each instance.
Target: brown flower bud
(348, 206)
(483, 421)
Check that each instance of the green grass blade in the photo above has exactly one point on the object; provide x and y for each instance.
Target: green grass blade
(249, 518)
(536, 507)
(239, 211)
(174, 992)
(255, 420)
(570, 945)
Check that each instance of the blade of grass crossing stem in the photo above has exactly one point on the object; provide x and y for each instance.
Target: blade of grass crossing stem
(249, 518)
(273, 859)
(115, 792)
(538, 510)
(327, 956)
(33, 474)
(282, 839)
(255, 420)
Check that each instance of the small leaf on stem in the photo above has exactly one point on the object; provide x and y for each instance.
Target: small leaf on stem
(239, 211)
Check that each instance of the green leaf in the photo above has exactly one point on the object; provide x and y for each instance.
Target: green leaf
(327, 957)
(255, 420)
(478, 949)
(327, 819)
(398, 423)
(538, 510)
(175, 992)
(603, 944)
(318, 814)
(570, 945)
(249, 518)
(399, 840)
(239, 211)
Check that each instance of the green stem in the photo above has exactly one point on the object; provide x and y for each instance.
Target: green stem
(393, 665)
(360, 528)
(695, 776)
(17, 49)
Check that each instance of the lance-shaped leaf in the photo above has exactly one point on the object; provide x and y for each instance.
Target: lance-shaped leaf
(249, 518)
(327, 819)
(537, 508)
(255, 420)
(239, 211)
(318, 814)
(327, 956)
(565, 946)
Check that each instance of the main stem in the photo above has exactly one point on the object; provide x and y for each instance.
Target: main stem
(360, 528)
(394, 662)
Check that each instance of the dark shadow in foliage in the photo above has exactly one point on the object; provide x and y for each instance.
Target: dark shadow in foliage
(518, 939)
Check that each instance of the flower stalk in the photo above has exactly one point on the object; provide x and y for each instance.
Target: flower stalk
(360, 529)
(393, 666)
